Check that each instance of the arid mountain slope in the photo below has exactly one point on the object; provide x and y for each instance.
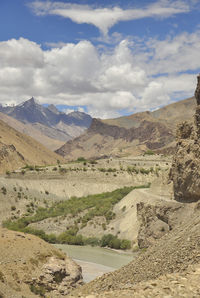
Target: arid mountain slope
(48, 120)
(131, 135)
(32, 131)
(17, 149)
(171, 114)
(103, 139)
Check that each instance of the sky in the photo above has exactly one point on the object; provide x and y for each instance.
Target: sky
(108, 58)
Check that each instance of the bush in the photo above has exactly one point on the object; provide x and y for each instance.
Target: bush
(80, 159)
(149, 152)
(125, 244)
(123, 208)
(93, 162)
(114, 242)
(4, 190)
(92, 241)
(62, 170)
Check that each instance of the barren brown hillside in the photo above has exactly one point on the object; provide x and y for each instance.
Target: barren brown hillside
(30, 267)
(131, 135)
(32, 131)
(171, 114)
(17, 149)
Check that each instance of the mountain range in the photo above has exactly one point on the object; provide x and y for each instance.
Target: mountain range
(131, 135)
(77, 134)
(56, 126)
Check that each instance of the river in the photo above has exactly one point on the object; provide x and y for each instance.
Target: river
(95, 261)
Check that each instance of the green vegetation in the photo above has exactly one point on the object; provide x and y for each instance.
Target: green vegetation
(62, 170)
(149, 152)
(144, 171)
(92, 205)
(109, 170)
(38, 290)
(96, 205)
(114, 242)
(29, 167)
(4, 190)
(81, 159)
(1, 277)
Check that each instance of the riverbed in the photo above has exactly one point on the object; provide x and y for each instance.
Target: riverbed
(95, 261)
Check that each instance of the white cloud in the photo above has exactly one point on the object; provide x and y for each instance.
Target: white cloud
(105, 18)
(21, 53)
(129, 78)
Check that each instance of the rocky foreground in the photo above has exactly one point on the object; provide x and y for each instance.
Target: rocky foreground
(162, 270)
(30, 267)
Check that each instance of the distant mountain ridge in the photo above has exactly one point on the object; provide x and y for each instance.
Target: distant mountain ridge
(48, 120)
(131, 135)
(32, 112)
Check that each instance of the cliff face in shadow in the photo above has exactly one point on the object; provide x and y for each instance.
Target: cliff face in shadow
(185, 171)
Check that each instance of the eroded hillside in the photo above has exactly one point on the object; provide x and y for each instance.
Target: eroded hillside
(131, 135)
(17, 150)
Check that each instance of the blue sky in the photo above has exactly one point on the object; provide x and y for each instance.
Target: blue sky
(108, 58)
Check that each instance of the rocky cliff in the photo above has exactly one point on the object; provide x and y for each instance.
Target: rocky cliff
(185, 171)
(102, 138)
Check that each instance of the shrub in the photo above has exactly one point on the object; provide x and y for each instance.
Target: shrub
(62, 170)
(93, 162)
(4, 190)
(149, 152)
(13, 208)
(123, 208)
(79, 159)
(38, 290)
(93, 241)
(125, 244)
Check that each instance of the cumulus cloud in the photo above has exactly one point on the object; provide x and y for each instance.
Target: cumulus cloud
(129, 78)
(105, 18)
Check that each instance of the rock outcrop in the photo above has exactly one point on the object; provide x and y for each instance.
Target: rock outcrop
(174, 252)
(185, 171)
(102, 138)
(157, 220)
(30, 267)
